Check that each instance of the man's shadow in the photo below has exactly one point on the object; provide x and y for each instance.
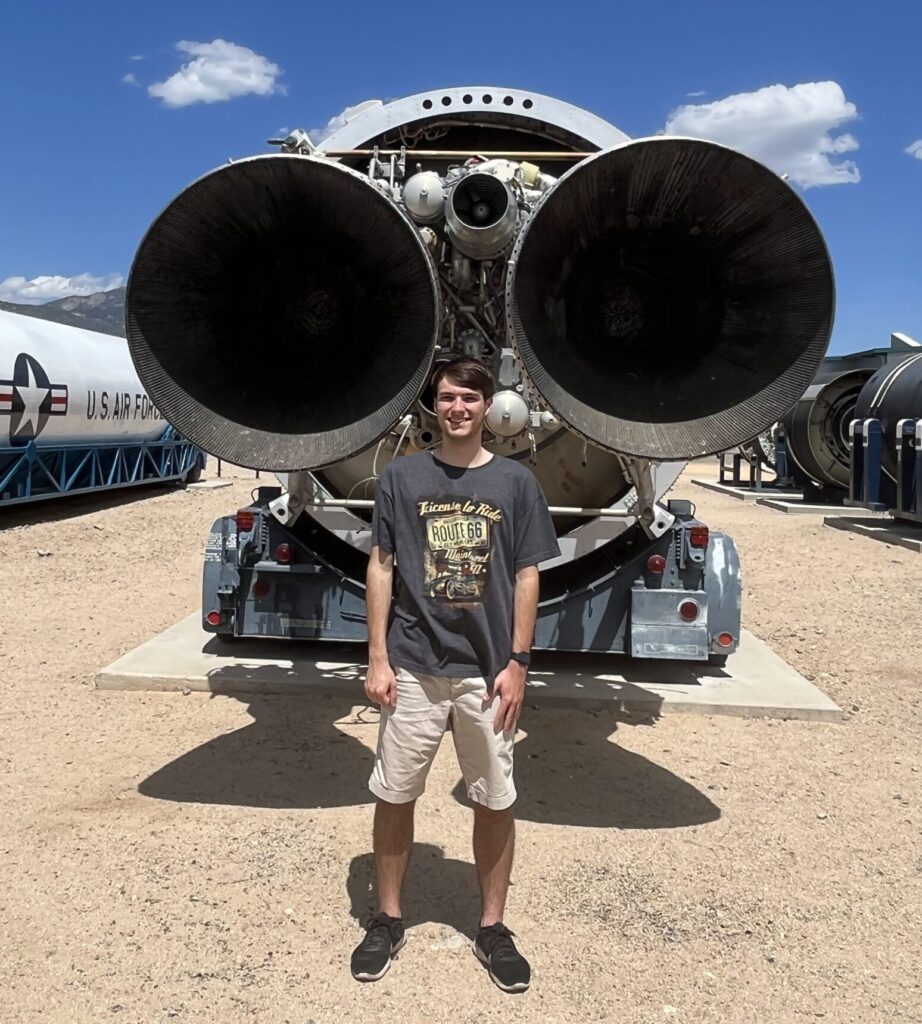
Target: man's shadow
(292, 755)
(438, 888)
(568, 772)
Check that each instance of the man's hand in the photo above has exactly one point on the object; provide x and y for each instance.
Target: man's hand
(381, 684)
(510, 685)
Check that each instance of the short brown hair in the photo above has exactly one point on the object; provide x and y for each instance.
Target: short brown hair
(467, 372)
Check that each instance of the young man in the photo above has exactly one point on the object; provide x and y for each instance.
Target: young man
(466, 530)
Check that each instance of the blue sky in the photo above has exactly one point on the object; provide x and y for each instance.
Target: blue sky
(89, 155)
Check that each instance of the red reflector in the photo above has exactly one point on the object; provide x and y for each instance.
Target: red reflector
(261, 588)
(244, 520)
(283, 553)
(213, 618)
(657, 564)
(725, 639)
(689, 610)
(698, 537)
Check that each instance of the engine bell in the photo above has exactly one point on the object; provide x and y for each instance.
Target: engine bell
(282, 312)
(670, 298)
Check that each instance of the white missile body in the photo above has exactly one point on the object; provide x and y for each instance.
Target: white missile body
(63, 385)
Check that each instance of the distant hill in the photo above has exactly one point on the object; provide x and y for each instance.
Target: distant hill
(101, 311)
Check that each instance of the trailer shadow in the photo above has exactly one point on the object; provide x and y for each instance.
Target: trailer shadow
(569, 770)
(291, 756)
(295, 755)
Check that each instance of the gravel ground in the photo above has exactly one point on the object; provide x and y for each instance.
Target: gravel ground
(188, 858)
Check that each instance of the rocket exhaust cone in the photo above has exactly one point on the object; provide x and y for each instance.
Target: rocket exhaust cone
(282, 312)
(670, 298)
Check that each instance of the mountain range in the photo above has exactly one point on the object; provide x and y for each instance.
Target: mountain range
(101, 311)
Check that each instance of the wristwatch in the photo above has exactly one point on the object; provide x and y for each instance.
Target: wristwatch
(522, 657)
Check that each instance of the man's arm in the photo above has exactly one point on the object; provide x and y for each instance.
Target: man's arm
(510, 683)
(380, 683)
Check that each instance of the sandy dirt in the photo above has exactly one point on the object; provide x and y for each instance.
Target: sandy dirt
(170, 857)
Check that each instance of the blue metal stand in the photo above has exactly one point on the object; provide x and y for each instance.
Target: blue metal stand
(33, 473)
(869, 484)
(866, 472)
(909, 470)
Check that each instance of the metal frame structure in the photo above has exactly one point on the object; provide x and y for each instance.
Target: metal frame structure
(33, 473)
(870, 486)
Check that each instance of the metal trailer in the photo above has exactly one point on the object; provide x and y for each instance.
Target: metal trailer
(74, 418)
(675, 596)
(639, 302)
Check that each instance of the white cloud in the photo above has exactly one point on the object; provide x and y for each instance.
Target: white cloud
(700, 92)
(788, 128)
(136, 56)
(130, 79)
(317, 135)
(45, 289)
(915, 149)
(218, 71)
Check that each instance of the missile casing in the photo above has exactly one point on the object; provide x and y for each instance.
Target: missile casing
(62, 385)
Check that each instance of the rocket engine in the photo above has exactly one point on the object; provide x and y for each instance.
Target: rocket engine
(640, 302)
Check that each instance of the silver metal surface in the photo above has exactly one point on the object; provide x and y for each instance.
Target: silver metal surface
(508, 415)
(409, 118)
(424, 197)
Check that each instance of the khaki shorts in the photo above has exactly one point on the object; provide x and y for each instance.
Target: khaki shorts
(410, 733)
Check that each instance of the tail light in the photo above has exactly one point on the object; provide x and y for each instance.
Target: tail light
(213, 618)
(261, 588)
(656, 564)
(698, 536)
(245, 518)
(689, 610)
(283, 553)
(724, 639)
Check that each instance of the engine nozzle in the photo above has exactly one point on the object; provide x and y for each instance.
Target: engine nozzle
(670, 298)
(282, 312)
(481, 215)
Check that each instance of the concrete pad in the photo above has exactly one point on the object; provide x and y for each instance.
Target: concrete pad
(797, 506)
(209, 485)
(891, 531)
(756, 683)
(747, 493)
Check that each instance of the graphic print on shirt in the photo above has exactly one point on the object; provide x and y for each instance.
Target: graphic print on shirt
(459, 540)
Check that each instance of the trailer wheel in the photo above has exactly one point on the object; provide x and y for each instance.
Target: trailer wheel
(194, 474)
(226, 638)
(718, 660)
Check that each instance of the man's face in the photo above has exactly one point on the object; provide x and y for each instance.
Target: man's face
(460, 410)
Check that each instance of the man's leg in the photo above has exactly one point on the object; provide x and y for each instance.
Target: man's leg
(408, 738)
(494, 846)
(486, 756)
(393, 843)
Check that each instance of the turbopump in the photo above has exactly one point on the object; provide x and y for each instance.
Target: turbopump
(639, 303)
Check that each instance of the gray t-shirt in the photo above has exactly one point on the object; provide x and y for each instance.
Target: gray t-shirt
(458, 537)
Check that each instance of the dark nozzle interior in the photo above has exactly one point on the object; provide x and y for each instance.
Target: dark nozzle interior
(285, 296)
(662, 285)
(479, 200)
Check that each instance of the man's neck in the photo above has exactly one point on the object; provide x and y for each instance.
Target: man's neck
(466, 454)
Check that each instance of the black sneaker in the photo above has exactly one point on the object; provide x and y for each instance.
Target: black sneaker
(371, 958)
(495, 949)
